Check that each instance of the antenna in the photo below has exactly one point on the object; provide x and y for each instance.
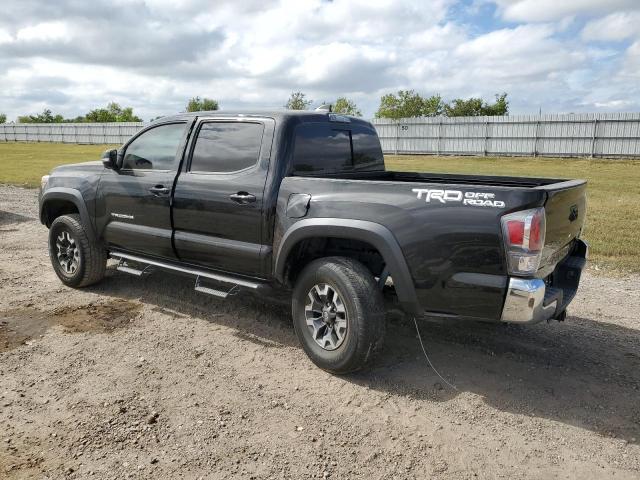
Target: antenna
(325, 107)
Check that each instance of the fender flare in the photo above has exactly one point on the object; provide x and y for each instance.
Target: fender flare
(373, 233)
(69, 195)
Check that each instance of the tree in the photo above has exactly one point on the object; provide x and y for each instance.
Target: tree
(409, 104)
(45, 117)
(3, 118)
(500, 107)
(113, 113)
(197, 104)
(432, 106)
(473, 107)
(297, 101)
(347, 107)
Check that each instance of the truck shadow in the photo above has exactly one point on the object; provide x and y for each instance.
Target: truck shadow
(582, 372)
(9, 218)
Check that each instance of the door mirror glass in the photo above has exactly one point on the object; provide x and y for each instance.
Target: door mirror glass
(109, 159)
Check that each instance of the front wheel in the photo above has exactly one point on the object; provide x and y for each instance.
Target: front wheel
(338, 314)
(77, 260)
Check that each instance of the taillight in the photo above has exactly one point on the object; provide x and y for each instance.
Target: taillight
(524, 240)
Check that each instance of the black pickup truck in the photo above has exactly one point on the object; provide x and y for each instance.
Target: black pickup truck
(300, 203)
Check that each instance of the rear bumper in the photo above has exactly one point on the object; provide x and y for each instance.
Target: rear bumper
(535, 300)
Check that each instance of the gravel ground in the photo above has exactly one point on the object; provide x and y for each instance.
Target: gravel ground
(144, 378)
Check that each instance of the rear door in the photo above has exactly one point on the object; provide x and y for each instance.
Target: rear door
(134, 202)
(218, 200)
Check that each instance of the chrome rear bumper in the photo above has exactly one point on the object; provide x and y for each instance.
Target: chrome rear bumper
(525, 302)
(534, 300)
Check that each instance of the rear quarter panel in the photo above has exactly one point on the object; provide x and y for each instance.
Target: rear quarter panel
(454, 250)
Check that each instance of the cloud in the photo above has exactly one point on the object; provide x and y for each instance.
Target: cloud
(631, 64)
(154, 55)
(43, 32)
(548, 10)
(614, 27)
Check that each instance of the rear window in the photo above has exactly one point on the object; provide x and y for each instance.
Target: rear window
(333, 148)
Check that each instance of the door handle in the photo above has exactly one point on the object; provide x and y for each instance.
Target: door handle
(160, 190)
(243, 198)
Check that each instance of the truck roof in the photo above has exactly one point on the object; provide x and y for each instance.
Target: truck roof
(308, 115)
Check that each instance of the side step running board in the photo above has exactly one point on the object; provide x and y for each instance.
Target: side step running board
(123, 267)
(234, 282)
(214, 291)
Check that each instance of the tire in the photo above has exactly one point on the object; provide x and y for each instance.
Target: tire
(358, 295)
(77, 260)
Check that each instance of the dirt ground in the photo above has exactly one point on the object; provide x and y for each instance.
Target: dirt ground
(145, 378)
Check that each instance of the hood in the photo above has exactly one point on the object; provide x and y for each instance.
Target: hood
(88, 167)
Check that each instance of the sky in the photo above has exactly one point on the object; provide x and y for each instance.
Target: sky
(554, 56)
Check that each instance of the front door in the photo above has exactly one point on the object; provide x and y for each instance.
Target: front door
(218, 200)
(135, 200)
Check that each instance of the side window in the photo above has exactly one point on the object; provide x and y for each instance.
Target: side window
(367, 152)
(321, 148)
(155, 149)
(226, 146)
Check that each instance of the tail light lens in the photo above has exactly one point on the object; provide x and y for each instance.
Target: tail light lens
(524, 240)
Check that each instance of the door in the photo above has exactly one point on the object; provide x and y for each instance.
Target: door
(135, 199)
(218, 200)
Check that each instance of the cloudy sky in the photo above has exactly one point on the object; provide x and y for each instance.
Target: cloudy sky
(555, 55)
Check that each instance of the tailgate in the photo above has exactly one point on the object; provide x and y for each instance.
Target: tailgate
(565, 209)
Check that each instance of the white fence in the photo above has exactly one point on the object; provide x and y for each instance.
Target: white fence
(95, 133)
(579, 135)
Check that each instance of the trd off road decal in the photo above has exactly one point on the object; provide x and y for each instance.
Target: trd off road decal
(474, 199)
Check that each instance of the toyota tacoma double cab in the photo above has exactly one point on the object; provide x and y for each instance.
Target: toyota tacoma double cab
(299, 205)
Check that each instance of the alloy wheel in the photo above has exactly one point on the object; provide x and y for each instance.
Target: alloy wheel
(326, 316)
(67, 253)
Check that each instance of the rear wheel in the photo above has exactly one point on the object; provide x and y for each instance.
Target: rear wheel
(338, 314)
(76, 259)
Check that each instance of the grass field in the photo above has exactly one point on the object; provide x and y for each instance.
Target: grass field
(613, 218)
(24, 163)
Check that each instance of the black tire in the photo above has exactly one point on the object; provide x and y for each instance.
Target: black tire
(91, 257)
(362, 300)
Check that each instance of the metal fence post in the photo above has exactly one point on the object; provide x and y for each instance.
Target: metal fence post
(593, 137)
(486, 136)
(439, 136)
(535, 138)
(397, 135)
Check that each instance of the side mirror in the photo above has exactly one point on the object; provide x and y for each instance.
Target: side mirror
(109, 159)
(119, 159)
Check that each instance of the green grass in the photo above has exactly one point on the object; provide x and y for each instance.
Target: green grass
(613, 196)
(613, 217)
(25, 163)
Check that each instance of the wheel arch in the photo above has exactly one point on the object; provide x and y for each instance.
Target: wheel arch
(371, 233)
(59, 201)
